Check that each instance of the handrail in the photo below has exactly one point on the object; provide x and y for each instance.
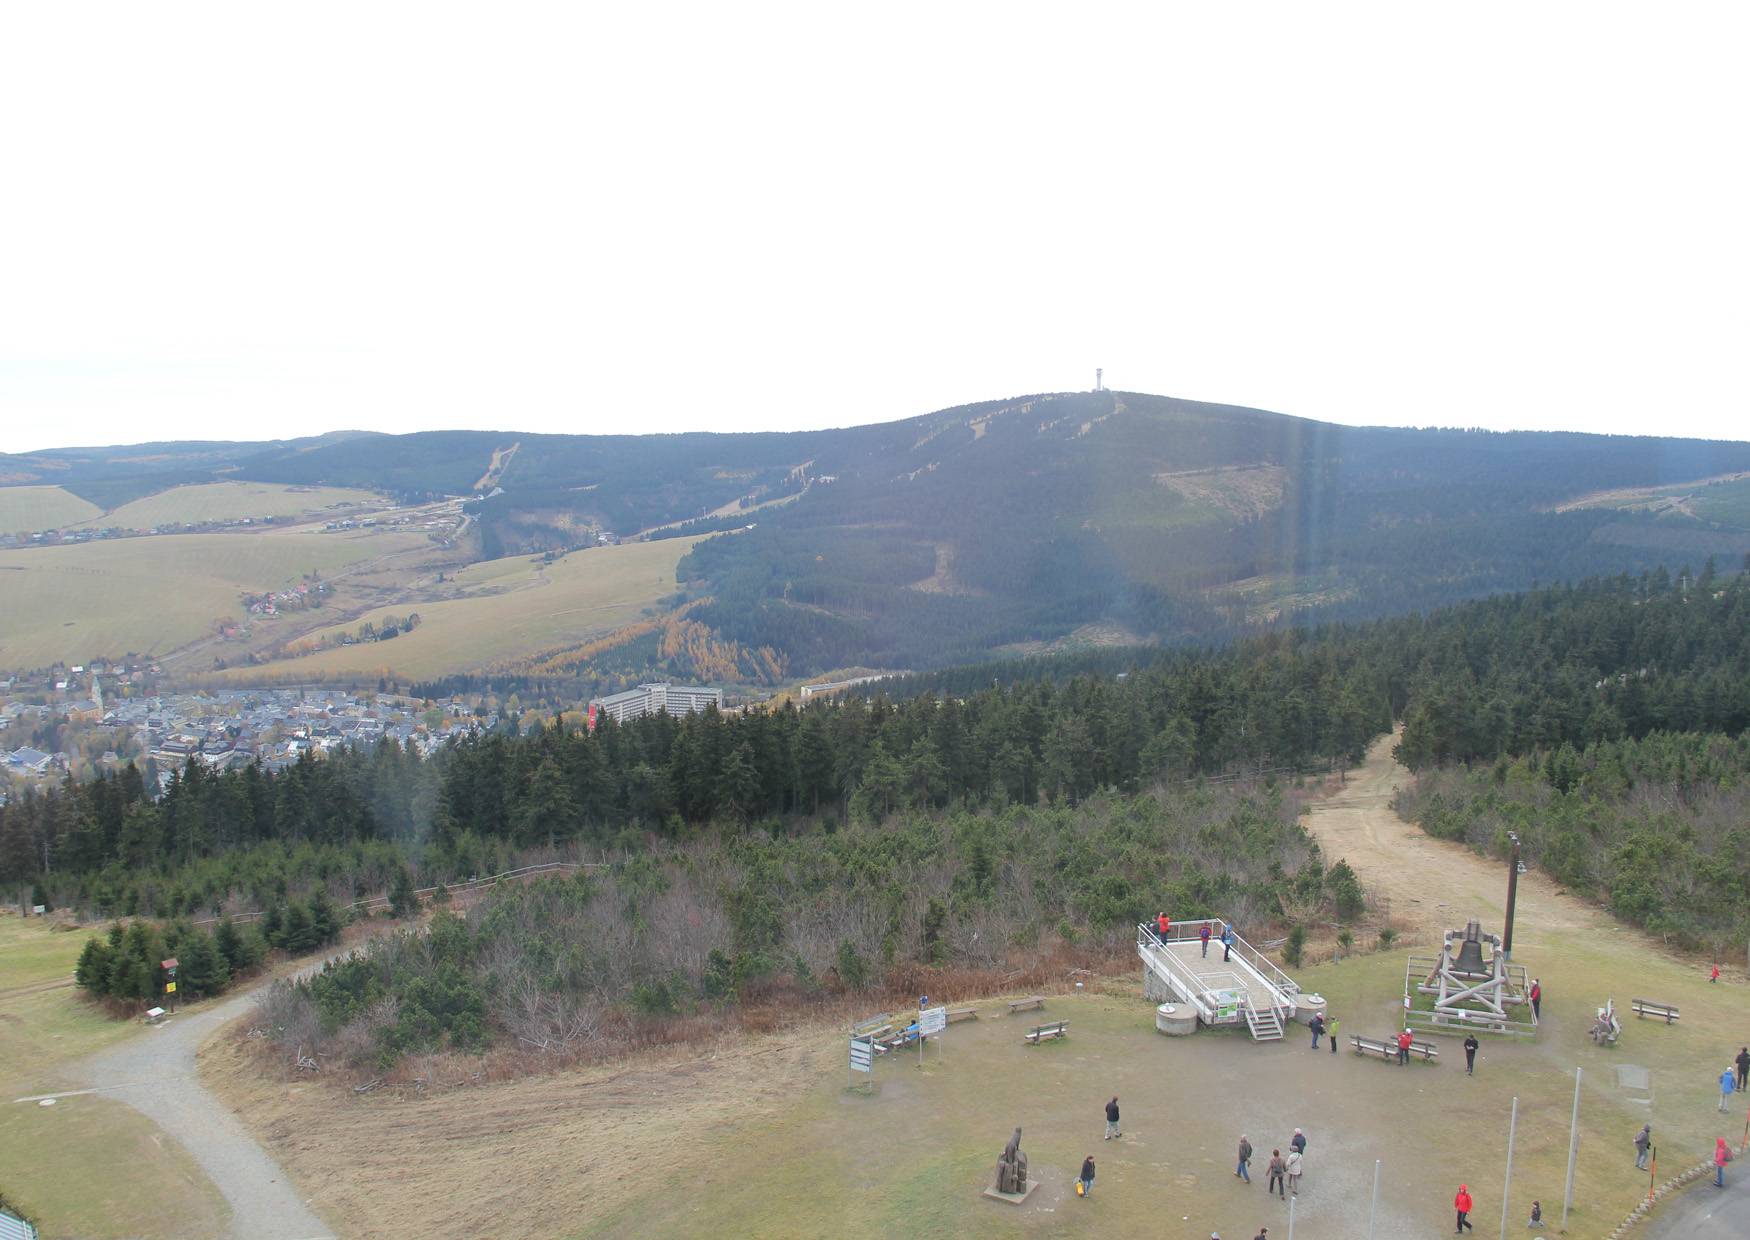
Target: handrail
(1285, 987)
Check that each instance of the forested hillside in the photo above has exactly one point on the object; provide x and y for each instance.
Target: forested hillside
(826, 847)
(1032, 523)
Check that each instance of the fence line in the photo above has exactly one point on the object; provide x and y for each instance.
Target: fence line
(372, 903)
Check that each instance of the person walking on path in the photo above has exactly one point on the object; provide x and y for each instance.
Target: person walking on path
(1332, 1032)
(1462, 1203)
(1294, 1162)
(1743, 1062)
(1715, 975)
(1297, 1142)
(1722, 1156)
(1404, 1040)
(1203, 935)
(1317, 1025)
(1278, 1169)
(1536, 1219)
(1536, 999)
(1227, 941)
(1087, 1180)
(1728, 1083)
(1243, 1171)
(1643, 1146)
(1112, 1129)
(1470, 1054)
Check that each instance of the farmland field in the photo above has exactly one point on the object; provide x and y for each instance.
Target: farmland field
(510, 609)
(231, 501)
(152, 595)
(41, 508)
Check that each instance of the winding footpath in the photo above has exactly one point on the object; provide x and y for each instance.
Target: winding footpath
(155, 1074)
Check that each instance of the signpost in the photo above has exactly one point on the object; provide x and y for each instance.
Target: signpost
(169, 967)
(862, 1060)
(930, 1020)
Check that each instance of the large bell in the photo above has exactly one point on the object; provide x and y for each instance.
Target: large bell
(1470, 953)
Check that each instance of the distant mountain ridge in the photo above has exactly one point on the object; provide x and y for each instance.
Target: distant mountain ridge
(1018, 523)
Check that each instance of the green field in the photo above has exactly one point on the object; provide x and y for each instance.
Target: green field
(87, 1166)
(512, 608)
(41, 508)
(231, 501)
(153, 595)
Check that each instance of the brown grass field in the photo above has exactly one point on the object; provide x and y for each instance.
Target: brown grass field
(234, 501)
(157, 594)
(756, 1135)
(41, 508)
(505, 610)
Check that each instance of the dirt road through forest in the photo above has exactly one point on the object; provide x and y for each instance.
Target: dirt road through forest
(1433, 885)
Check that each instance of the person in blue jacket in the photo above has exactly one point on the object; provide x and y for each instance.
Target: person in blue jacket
(1728, 1083)
(1227, 940)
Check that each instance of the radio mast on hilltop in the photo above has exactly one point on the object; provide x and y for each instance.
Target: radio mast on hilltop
(1099, 379)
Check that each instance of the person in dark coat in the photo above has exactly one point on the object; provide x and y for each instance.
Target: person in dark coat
(1317, 1025)
(1743, 1062)
(1242, 1171)
(1088, 1176)
(1297, 1142)
(1112, 1129)
(1470, 1054)
(1278, 1174)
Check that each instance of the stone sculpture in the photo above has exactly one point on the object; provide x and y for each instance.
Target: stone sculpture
(1012, 1167)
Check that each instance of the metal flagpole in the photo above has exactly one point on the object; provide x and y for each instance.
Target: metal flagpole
(1291, 1202)
(1507, 1188)
(1573, 1149)
(1374, 1210)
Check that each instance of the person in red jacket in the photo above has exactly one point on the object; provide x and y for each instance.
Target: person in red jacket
(1204, 935)
(1722, 1156)
(1404, 1041)
(1163, 923)
(1462, 1204)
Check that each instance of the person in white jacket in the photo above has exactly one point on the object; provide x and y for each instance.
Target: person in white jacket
(1295, 1161)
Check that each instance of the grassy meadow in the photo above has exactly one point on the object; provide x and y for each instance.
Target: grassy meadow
(509, 609)
(231, 501)
(152, 595)
(88, 1166)
(42, 508)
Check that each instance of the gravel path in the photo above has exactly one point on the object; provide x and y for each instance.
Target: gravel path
(155, 1074)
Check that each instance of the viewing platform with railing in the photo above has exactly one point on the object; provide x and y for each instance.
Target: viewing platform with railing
(1230, 984)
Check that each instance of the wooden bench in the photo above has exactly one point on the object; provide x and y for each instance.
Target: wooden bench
(1387, 1048)
(959, 1014)
(1027, 1004)
(1646, 1007)
(1044, 1033)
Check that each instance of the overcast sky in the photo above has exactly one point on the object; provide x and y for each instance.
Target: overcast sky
(246, 221)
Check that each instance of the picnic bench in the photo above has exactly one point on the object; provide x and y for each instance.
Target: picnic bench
(154, 1015)
(959, 1014)
(1027, 1004)
(1646, 1007)
(1045, 1033)
(1387, 1048)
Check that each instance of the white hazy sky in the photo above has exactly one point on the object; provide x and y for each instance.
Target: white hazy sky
(247, 221)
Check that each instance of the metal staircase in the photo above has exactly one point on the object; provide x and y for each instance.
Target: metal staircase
(1265, 1024)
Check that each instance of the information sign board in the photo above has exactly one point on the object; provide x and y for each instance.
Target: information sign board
(862, 1055)
(932, 1020)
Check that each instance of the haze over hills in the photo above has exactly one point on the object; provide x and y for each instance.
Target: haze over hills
(1011, 525)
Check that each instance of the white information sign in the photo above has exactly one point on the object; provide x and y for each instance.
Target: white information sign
(932, 1020)
(862, 1055)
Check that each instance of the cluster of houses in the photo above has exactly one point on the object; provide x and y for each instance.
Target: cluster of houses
(236, 727)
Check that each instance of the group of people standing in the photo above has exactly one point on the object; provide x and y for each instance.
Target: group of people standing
(1284, 1172)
